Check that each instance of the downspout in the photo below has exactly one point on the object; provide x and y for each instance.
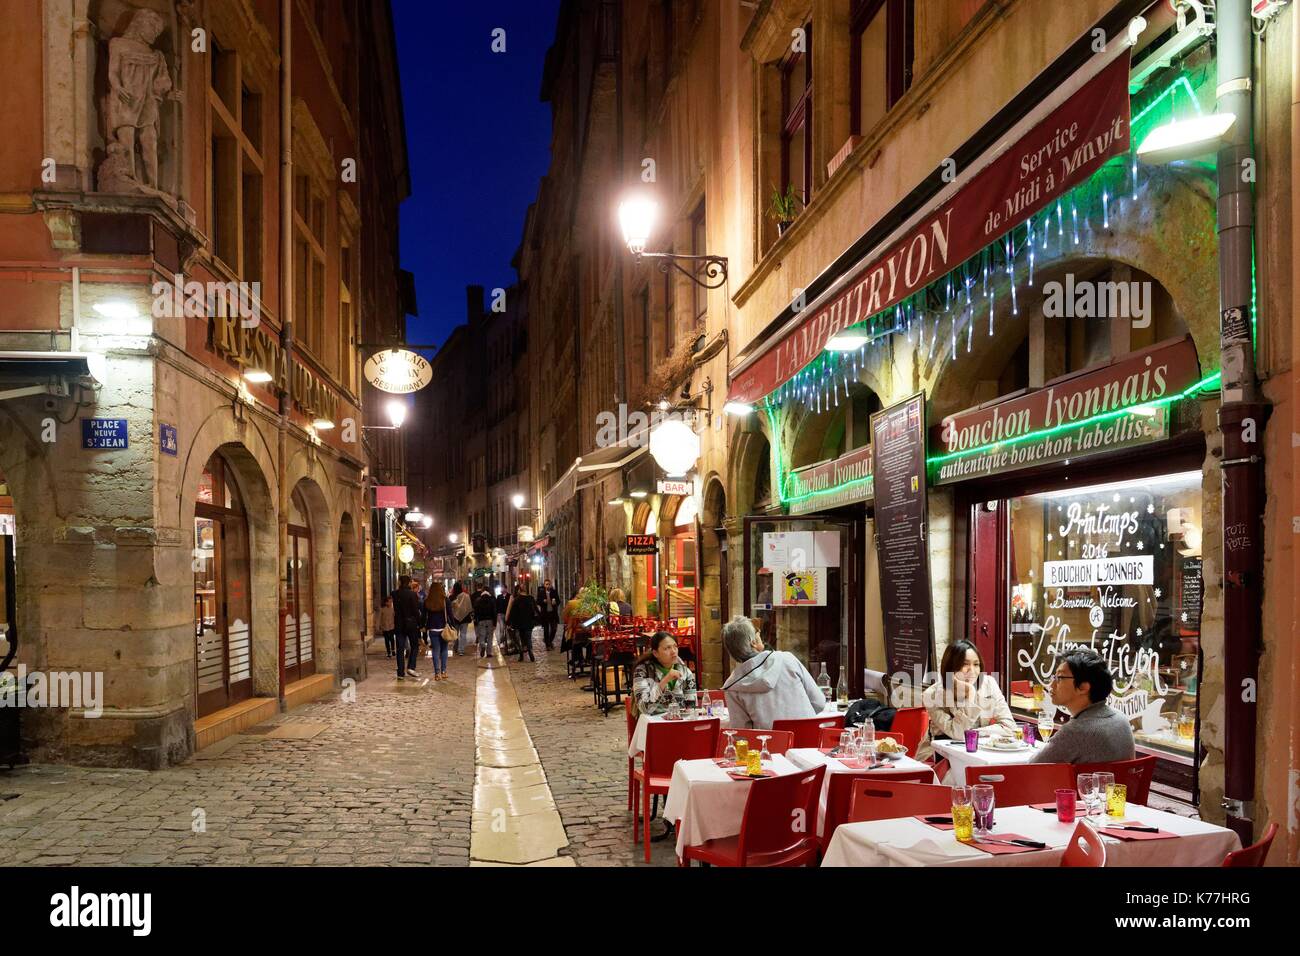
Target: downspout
(286, 301)
(1241, 421)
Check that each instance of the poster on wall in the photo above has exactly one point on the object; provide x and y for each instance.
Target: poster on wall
(898, 467)
(802, 587)
(800, 549)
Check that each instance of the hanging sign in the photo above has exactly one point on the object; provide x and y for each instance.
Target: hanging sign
(802, 587)
(642, 544)
(390, 496)
(1081, 415)
(104, 433)
(830, 484)
(398, 371)
(1064, 149)
(667, 487)
(898, 450)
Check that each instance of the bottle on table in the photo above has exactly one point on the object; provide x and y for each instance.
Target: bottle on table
(824, 683)
(842, 688)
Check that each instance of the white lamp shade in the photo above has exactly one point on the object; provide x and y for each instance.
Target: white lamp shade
(636, 217)
(406, 553)
(396, 409)
(675, 447)
(517, 501)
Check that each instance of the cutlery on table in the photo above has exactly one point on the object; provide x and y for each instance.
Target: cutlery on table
(1135, 829)
(1032, 844)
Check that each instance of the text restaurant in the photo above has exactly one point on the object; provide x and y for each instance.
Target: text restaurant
(991, 423)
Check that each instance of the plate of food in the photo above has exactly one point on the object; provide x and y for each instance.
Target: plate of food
(889, 748)
(1005, 744)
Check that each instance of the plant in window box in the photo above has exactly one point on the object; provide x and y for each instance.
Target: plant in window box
(784, 208)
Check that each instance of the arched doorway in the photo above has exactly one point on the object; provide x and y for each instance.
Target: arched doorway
(298, 649)
(679, 557)
(223, 646)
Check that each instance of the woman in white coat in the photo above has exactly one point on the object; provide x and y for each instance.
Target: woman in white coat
(765, 685)
(965, 698)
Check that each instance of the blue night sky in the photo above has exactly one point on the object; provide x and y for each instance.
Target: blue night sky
(478, 138)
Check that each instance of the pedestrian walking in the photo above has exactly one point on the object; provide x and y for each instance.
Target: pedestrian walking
(485, 616)
(462, 612)
(503, 604)
(548, 610)
(435, 607)
(406, 610)
(522, 616)
(388, 625)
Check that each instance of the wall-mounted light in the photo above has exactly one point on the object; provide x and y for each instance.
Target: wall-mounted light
(738, 408)
(427, 522)
(414, 515)
(637, 215)
(396, 410)
(116, 309)
(675, 447)
(322, 424)
(257, 376)
(517, 501)
(453, 537)
(1185, 139)
(847, 342)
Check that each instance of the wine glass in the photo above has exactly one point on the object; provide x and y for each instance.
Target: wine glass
(764, 755)
(1088, 791)
(1104, 782)
(982, 799)
(729, 753)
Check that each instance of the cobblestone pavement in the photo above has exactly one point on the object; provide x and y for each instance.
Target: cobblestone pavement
(584, 756)
(388, 779)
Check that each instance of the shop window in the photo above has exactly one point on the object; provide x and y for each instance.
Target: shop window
(1117, 568)
(796, 120)
(880, 58)
(300, 609)
(222, 609)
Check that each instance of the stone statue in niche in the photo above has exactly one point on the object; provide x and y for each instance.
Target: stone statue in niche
(139, 80)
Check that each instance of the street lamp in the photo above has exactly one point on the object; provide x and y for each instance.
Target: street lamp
(636, 217)
(518, 501)
(674, 446)
(414, 515)
(396, 409)
(427, 522)
(453, 537)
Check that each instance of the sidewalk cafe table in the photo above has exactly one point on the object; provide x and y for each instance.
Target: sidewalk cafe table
(706, 803)
(638, 735)
(959, 759)
(806, 758)
(909, 842)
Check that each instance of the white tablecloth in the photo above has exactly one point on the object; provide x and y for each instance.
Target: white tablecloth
(959, 759)
(806, 758)
(638, 735)
(706, 803)
(909, 842)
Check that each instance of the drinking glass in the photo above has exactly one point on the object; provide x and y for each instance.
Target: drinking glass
(1088, 791)
(729, 754)
(692, 703)
(846, 743)
(963, 814)
(1045, 727)
(1031, 733)
(742, 751)
(674, 713)
(1065, 803)
(1116, 800)
(868, 733)
(972, 741)
(754, 763)
(764, 753)
(1104, 782)
(705, 704)
(982, 800)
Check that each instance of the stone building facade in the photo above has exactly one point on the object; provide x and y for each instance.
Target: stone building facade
(865, 112)
(199, 211)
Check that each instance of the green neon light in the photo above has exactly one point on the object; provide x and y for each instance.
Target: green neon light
(1167, 93)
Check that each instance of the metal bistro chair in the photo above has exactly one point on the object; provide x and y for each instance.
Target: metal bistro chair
(611, 673)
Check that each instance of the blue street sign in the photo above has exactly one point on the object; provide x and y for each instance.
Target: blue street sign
(167, 438)
(106, 433)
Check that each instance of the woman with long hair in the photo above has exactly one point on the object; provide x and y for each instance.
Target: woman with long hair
(965, 698)
(659, 675)
(435, 605)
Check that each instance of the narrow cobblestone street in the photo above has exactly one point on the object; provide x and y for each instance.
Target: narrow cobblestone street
(388, 779)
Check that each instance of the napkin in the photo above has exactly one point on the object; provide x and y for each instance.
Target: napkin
(938, 826)
(739, 774)
(1135, 834)
(999, 848)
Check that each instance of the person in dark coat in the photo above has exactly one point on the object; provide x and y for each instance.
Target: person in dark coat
(406, 609)
(548, 611)
(523, 618)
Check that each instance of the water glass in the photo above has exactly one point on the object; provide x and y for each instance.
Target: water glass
(764, 754)
(972, 741)
(1088, 792)
(1116, 800)
(1104, 782)
(846, 743)
(729, 754)
(1030, 735)
(742, 751)
(1065, 803)
(868, 733)
(754, 763)
(692, 703)
(963, 814)
(674, 712)
(982, 799)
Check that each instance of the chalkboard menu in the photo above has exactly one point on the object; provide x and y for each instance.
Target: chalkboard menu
(898, 463)
(1189, 598)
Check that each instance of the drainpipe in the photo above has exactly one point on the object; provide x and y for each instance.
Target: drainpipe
(1241, 420)
(286, 300)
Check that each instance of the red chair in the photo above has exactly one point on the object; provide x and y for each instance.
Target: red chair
(631, 714)
(1016, 785)
(1253, 855)
(884, 799)
(767, 836)
(839, 794)
(1134, 774)
(665, 744)
(941, 768)
(781, 740)
(808, 730)
(831, 737)
(913, 723)
(1085, 848)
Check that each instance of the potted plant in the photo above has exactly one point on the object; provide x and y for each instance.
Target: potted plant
(593, 600)
(784, 208)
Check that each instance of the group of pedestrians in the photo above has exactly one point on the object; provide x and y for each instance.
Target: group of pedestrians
(412, 617)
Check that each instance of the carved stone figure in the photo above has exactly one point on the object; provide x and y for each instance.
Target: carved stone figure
(138, 80)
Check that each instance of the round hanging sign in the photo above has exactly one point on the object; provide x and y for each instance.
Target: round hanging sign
(398, 371)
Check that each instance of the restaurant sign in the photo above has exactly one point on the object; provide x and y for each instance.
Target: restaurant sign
(642, 544)
(1118, 406)
(398, 371)
(1064, 149)
(830, 484)
(253, 347)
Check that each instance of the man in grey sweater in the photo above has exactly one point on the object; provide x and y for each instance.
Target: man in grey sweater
(1095, 733)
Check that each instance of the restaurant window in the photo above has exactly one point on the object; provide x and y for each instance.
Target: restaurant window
(235, 165)
(1117, 568)
(880, 58)
(222, 608)
(309, 265)
(300, 609)
(796, 119)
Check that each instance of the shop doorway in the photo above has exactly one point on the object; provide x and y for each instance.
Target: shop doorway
(299, 657)
(222, 608)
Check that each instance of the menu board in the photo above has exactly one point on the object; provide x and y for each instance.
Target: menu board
(898, 464)
(1189, 594)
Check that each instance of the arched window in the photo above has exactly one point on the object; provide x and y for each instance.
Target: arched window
(300, 608)
(222, 609)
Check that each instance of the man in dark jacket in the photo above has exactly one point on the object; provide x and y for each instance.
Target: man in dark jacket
(485, 616)
(406, 610)
(523, 618)
(548, 611)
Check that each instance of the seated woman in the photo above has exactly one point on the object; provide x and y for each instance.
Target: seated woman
(765, 685)
(618, 603)
(964, 698)
(658, 676)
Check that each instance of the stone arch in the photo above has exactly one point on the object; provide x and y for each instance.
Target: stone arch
(324, 559)
(751, 459)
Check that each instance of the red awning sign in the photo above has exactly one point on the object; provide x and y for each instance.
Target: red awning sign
(1064, 149)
